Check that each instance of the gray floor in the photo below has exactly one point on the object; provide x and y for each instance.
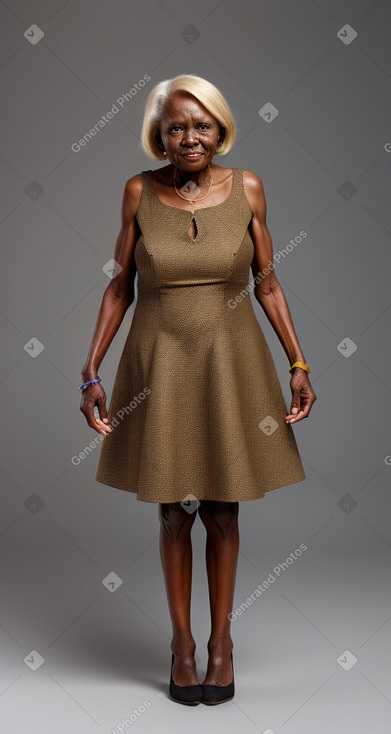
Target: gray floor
(311, 652)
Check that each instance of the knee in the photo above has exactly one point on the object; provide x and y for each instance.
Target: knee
(175, 520)
(220, 515)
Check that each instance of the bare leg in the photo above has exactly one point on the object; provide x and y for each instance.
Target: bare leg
(222, 548)
(176, 556)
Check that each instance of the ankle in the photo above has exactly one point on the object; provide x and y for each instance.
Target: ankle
(220, 645)
(183, 646)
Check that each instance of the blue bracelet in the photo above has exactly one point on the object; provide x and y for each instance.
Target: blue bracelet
(90, 382)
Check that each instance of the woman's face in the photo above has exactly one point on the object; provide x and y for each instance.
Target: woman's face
(186, 126)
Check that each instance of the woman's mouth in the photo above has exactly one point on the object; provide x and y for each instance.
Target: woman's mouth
(192, 156)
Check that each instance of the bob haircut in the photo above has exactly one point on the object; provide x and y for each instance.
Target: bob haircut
(205, 92)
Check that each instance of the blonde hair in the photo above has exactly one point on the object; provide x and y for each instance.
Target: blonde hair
(205, 92)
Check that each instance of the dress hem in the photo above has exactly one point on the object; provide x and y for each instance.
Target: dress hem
(220, 499)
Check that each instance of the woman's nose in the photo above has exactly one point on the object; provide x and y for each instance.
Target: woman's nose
(190, 138)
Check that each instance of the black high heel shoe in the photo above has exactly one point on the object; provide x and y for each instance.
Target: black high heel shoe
(190, 695)
(219, 694)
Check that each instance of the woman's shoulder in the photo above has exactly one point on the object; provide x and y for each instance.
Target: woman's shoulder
(253, 188)
(133, 189)
(134, 183)
(252, 180)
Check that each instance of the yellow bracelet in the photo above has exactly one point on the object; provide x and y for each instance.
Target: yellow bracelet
(303, 366)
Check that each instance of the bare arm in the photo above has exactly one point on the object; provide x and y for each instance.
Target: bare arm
(117, 298)
(270, 296)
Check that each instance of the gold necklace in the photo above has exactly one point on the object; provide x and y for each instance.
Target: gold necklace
(194, 201)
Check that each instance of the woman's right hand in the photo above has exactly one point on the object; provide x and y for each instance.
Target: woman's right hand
(91, 396)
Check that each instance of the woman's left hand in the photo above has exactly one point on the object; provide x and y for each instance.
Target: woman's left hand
(303, 396)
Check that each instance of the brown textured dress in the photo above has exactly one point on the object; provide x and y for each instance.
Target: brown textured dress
(196, 408)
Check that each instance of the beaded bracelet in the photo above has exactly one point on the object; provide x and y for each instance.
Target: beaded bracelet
(303, 366)
(90, 382)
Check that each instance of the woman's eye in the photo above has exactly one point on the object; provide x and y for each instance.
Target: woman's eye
(202, 124)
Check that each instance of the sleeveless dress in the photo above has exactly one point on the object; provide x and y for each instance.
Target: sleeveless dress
(197, 409)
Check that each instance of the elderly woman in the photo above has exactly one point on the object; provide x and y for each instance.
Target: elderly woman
(197, 420)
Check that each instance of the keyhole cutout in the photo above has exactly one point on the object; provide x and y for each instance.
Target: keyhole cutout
(192, 231)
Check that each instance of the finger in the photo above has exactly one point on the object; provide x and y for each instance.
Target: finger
(104, 421)
(295, 404)
(97, 423)
(99, 426)
(100, 415)
(293, 418)
(103, 426)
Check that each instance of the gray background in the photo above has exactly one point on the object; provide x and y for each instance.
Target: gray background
(324, 161)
